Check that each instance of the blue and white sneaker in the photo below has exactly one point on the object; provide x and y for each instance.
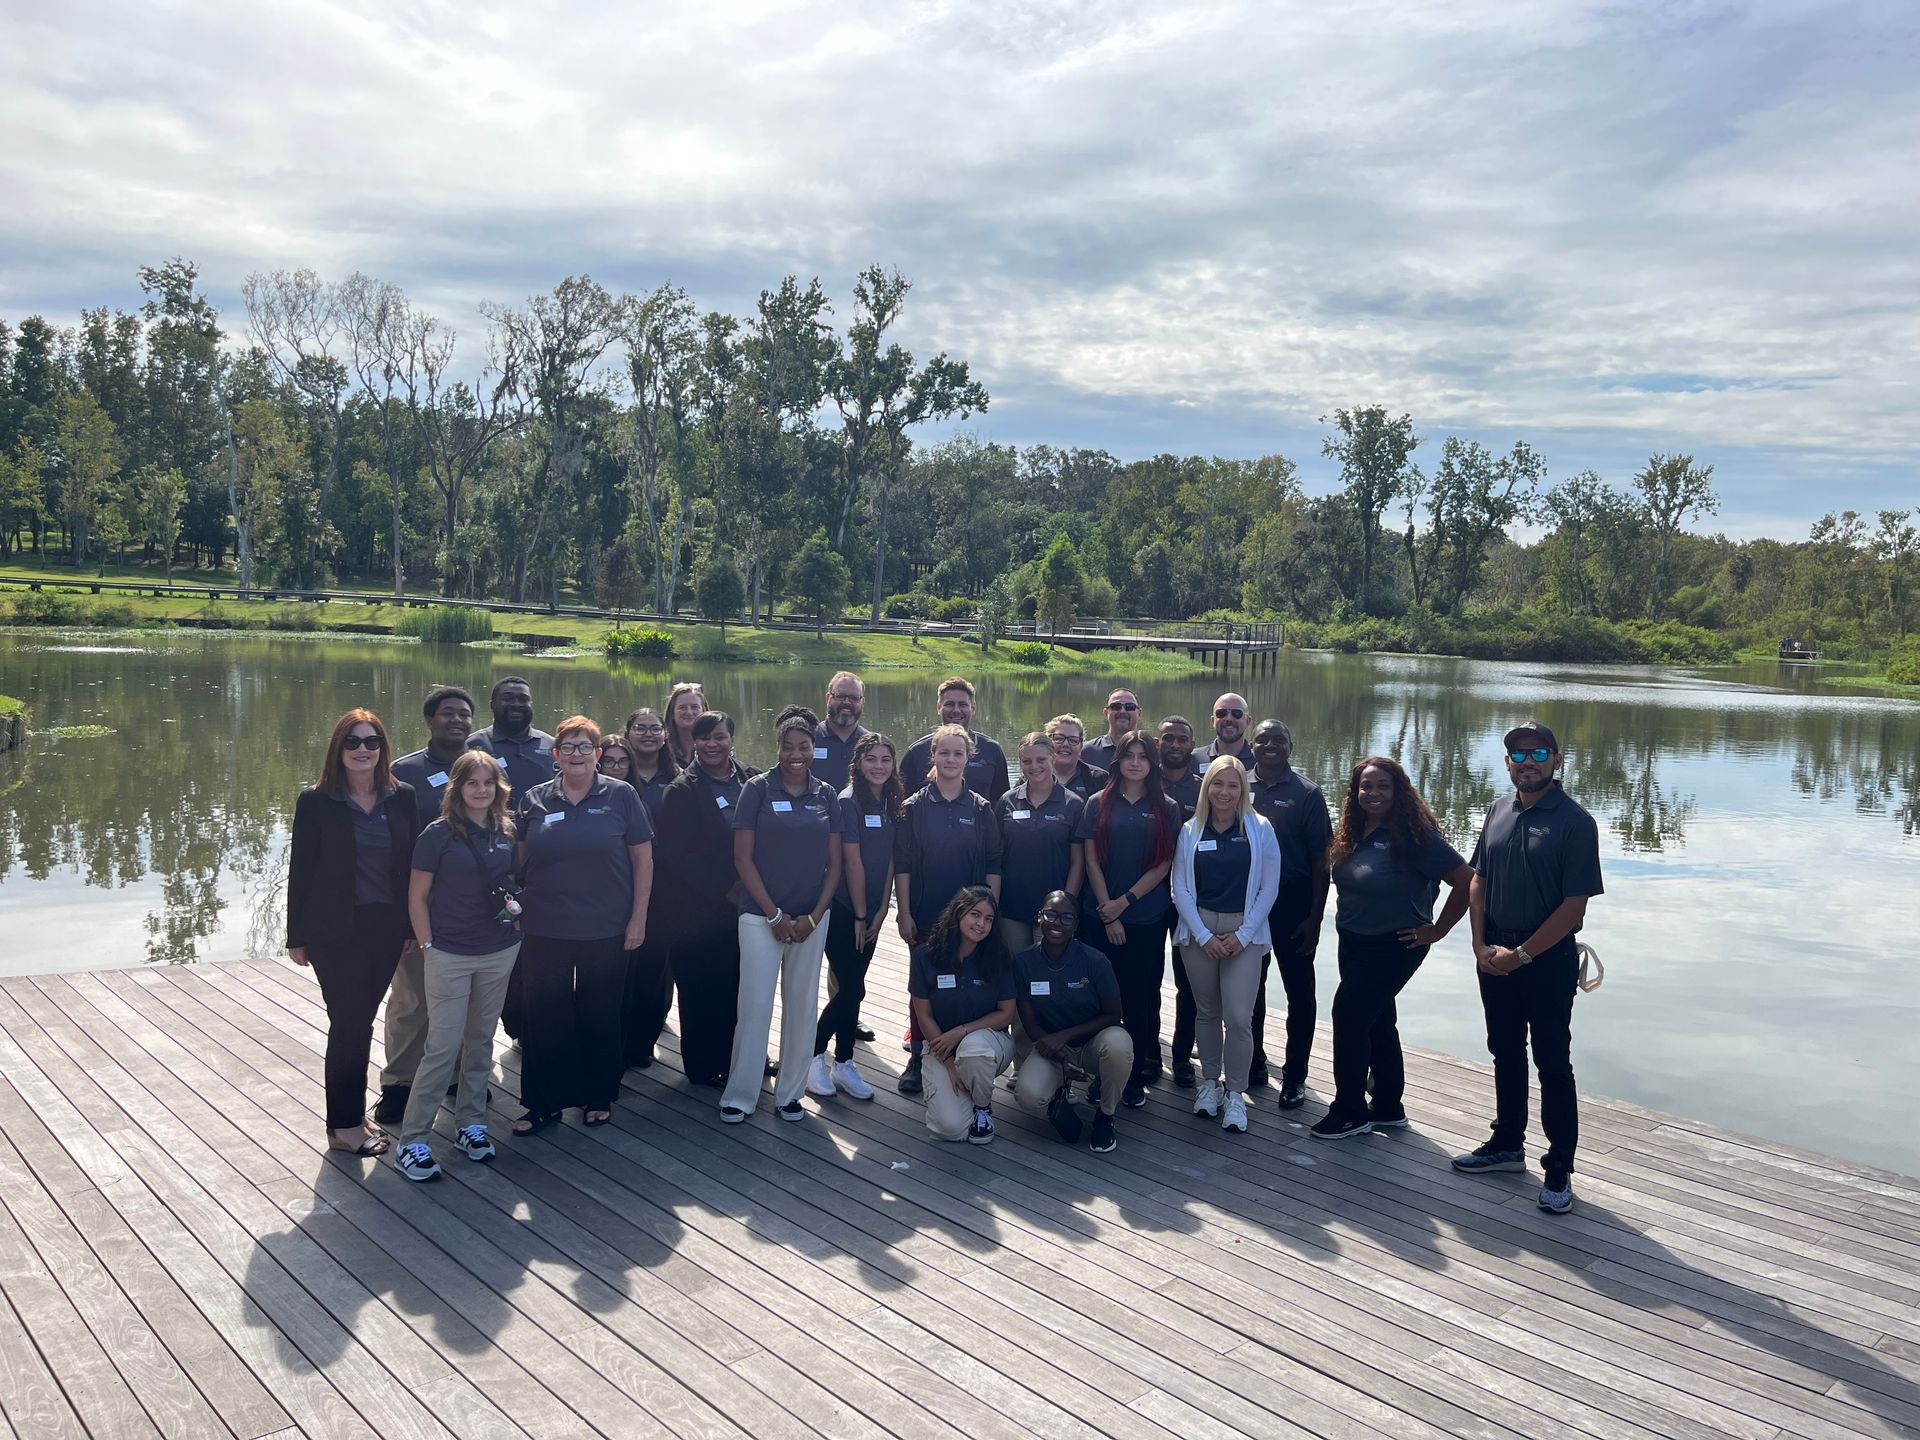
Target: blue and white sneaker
(1556, 1195)
(474, 1144)
(416, 1162)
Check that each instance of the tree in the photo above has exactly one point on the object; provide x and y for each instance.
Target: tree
(87, 449)
(1059, 588)
(994, 613)
(821, 579)
(718, 590)
(264, 457)
(377, 320)
(297, 320)
(1373, 452)
(22, 490)
(162, 496)
(1673, 489)
(1471, 499)
(1573, 507)
(663, 363)
(1896, 545)
(622, 580)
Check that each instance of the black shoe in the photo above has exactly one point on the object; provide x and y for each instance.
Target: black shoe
(1134, 1096)
(641, 1062)
(1152, 1074)
(1293, 1094)
(910, 1083)
(1340, 1127)
(1102, 1140)
(1395, 1119)
(1183, 1074)
(862, 1032)
(392, 1108)
(1257, 1074)
(773, 1068)
(1066, 1121)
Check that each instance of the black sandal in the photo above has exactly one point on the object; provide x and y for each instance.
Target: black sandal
(532, 1124)
(373, 1145)
(586, 1118)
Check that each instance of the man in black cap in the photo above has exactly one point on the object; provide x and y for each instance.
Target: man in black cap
(1536, 865)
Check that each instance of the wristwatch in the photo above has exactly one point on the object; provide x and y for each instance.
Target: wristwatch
(1521, 951)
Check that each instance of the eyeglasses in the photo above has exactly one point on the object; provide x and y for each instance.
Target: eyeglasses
(576, 747)
(1066, 741)
(362, 742)
(617, 757)
(844, 698)
(1540, 754)
(1055, 917)
(1124, 705)
(1229, 712)
(646, 729)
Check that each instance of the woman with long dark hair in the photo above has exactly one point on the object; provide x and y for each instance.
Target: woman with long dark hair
(353, 833)
(696, 871)
(962, 986)
(1388, 860)
(866, 810)
(1129, 830)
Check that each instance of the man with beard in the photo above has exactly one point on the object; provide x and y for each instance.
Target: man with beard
(836, 736)
(1297, 810)
(1123, 716)
(1229, 733)
(986, 768)
(526, 754)
(1536, 865)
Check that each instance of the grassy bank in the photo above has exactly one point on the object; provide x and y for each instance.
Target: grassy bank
(14, 716)
(1520, 635)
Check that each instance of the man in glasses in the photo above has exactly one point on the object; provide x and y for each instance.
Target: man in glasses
(1536, 865)
(835, 736)
(1229, 732)
(987, 768)
(1070, 1015)
(526, 754)
(1297, 810)
(1123, 715)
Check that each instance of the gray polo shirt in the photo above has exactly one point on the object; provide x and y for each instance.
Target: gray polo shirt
(426, 772)
(579, 879)
(1068, 994)
(528, 760)
(1086, 780)
(1531, 859)
(944, 845)
(833, 757)
(464, 871)
(1036, 843)
(986, 771)
(1380, 893)
(1184, 792)
(873, 833)
(1099, 751)
(1206, 756)
(958, 991)
(793, 838)
(372, 853)
(1131, 837)
(1297, 810)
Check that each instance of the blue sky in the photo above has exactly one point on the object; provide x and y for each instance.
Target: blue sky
(1609, 229)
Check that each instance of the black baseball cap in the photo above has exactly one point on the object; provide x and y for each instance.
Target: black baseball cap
(1532, 730)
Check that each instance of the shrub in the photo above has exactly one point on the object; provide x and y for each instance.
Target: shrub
(451, 623)
(640, 644)
(1029, 652)
(910, 606)
(1903, 668)
(298, 619)
(44, 607)
(957, 611)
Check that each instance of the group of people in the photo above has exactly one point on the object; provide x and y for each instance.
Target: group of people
(568, 886)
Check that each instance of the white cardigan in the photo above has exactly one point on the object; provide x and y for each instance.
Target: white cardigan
(1263, 882)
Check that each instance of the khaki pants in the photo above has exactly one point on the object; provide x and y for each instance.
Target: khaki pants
(1018, 933)
(463, 996)
(767, 964)
(1223, 997)
(981, 1056)
(1107, 1053)
(406, 1028)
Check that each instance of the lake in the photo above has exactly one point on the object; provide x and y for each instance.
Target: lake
(1761, 838)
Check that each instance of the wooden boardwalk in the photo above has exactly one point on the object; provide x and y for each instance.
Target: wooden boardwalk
(180, 1256)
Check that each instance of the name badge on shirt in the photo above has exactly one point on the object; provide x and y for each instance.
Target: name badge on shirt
(721, 801)
(874, 822)
(1023, 814)
(1041, 987)
(541, 747)
(783, 807)
(437, 780)
(554, 819)
(1208, 845)
(946, 982)
(819, 752)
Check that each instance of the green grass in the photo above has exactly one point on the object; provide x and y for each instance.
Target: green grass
(10, 707)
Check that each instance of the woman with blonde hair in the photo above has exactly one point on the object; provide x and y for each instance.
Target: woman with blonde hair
(1226, 872)
(466, 913)
(686, 703)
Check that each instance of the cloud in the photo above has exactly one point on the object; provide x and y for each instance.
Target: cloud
(1609, 229)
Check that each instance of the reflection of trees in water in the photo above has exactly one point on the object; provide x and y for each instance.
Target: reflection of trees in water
(1869, 755)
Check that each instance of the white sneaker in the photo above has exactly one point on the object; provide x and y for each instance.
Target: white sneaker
(819, 1077)
(1236, 1116)
(1212, 1095)
(848, 1080)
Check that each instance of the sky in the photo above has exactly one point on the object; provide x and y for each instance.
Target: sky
(1608, 229)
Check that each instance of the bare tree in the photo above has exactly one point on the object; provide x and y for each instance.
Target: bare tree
(663, 362)
(296, 320)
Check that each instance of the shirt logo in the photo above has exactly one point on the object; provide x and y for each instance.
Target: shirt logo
(1539, 832)
(1076, 984)
(964, 819)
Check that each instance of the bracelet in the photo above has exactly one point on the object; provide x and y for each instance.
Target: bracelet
(777, 916)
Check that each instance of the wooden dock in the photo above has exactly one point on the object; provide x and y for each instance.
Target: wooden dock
(180, 1256)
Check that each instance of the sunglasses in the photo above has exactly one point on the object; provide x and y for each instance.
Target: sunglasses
(1540, 754)
(1123, 705)
(362, 742)
(1229, 714)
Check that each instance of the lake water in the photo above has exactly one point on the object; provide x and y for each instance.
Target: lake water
(1761, 839)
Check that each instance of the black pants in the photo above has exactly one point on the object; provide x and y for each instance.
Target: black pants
(1534, 1003)
(1140, 964)
(353, 977)
(649, 997)
(841, 1018)
(706, 972)
(1185, 1012)
(570, 1048)
(1293, 905)
(1366, 1034)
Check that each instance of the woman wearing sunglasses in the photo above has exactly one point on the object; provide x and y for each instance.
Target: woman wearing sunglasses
(353, 833)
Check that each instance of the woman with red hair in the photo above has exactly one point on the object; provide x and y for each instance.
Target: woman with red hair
(353, 833)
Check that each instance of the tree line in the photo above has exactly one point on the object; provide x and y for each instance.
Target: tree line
(643, 452)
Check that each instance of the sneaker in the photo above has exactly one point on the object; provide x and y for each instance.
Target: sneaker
(773, 1069)
(732, 1115)
(1208, 1102)
(848, 1080)
(820, 1077)
(473, 1143)
(1183, 1075)
(1134, 1096)
(1487, 1159)
(982, 1131)
(1235, 1117)
(1556, 1195)
(392, 1108)
(1293, 1094)
(910, 1078)
(1065, 1119)
(416, 1162)
(1339, 1127)
(1102, 1140)
(1383, 1121)
(790, 1111)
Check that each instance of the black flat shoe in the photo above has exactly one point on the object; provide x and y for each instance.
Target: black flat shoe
(532, 1124)
(392, 1108)
(586, 1118)
(863, 1033)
